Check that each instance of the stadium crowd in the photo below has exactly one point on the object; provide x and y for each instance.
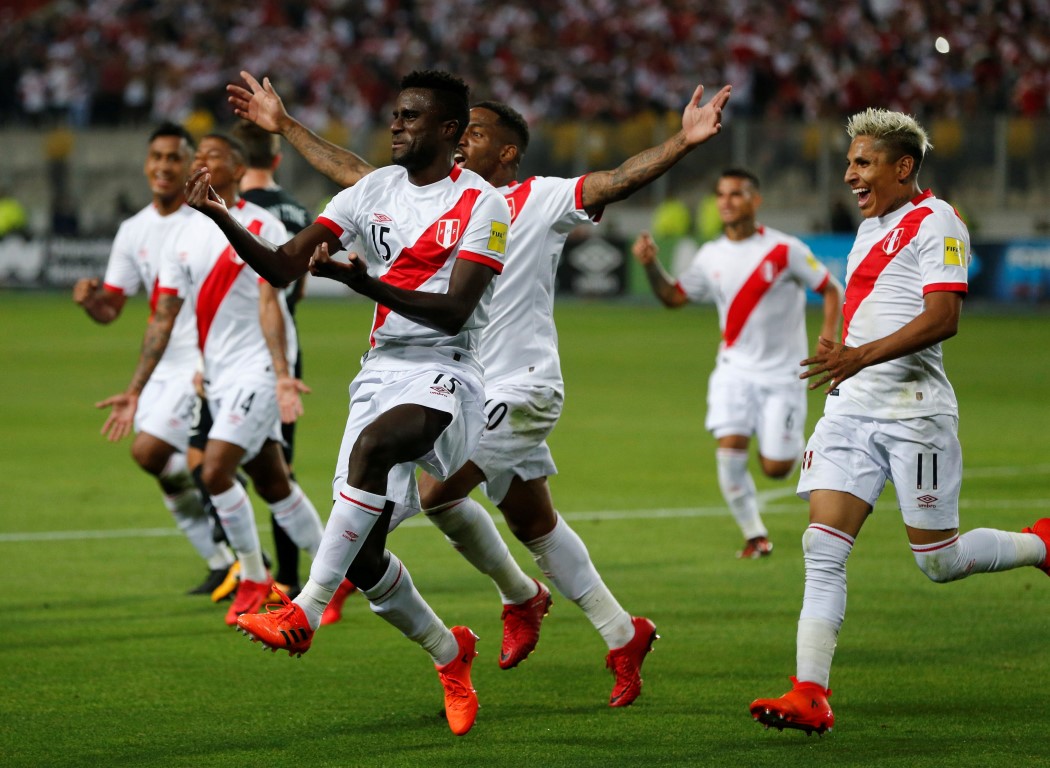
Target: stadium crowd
(97, 62)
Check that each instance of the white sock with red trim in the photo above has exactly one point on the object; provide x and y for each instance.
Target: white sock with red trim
(234, 509)
(825, 551)
(982, 550)
(297, 516)
(739, 491)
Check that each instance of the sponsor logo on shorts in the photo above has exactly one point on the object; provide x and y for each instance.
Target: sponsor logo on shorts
(350, 536)
(927, 501)
(439, 390)
(807, 460)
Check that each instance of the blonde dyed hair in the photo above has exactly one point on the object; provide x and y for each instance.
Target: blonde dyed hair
(895, 132)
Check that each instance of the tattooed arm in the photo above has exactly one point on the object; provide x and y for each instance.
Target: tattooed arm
(121, 419)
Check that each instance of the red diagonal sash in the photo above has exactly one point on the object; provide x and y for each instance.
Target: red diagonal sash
(755, 287)
(217, 284)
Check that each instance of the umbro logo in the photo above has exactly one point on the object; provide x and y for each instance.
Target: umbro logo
(381, 218)
(926, 501)
(350, 536)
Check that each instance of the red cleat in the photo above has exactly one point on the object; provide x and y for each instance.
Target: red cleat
(804, 707)
(284, 627)
(333, 612)
(521, 627)
(461, 702)
(249, 598)
(626, 662)
(755, 548)
(1041, 528)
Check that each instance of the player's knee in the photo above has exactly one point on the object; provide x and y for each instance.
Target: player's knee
(215, 478)
(150, 457)
(942, 565)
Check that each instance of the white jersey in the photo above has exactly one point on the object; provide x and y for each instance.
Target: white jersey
(411, 237)
(895, 261)
(759, 287)
(521, 337)
(201, 266)
(134, 264)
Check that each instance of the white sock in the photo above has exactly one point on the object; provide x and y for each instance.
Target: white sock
(190, 518)
(472, 532)
(222, 558)
(982, 550)
(297, 516)
(238, 521)
(563, 558)
(395, 599)
(354, 513)
(825, 550)
(738, 489)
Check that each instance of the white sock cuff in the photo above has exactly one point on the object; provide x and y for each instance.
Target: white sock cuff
(548, 541)
(442, 508)
(819, 537)
(176, 465)
(388, 582)
(229, 500)
(287, 504)
(372, 503)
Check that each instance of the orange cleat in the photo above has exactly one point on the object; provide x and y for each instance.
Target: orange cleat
(626, 662)
(250, 597)
(461, 702)
(755, 548)
(283, 627)
(804, 707)
(1041, 528)
(228, 585)
(333, 612)
(521, 627)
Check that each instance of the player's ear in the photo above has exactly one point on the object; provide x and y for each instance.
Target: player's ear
(905, 166)
(509, 154)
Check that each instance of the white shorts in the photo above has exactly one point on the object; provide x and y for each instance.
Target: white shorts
(518, 419)
(774, 413)
(921, 457)
(165, 409)
(456, 390)
(245, 413)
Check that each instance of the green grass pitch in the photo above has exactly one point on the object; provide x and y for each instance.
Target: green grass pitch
(107, 662)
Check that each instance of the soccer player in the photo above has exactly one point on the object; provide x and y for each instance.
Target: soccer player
(259, 186)
(757, 277)
(162, 420)
(524, 389)
(433, 237)
(246, 346)
(891, 413)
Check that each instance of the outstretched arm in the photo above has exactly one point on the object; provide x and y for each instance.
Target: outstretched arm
(834, 363)
(699, 123)
(260, 103)
(102, 306)
(665, 289)
(444, 312)
(121, 420)
(279, 265)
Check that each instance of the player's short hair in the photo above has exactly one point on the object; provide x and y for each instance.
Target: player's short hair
(451, 93)
(262, 147)
(740, 173)
(508, 118)
(168, 128)
(897, 133)
(234, 144)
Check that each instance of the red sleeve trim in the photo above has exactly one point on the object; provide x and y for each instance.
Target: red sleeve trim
(680, 289)
(597, 217)
(168, 291)
(950, 287)
(336, 229)
(113, 288)
(480, 259)
(823, 283)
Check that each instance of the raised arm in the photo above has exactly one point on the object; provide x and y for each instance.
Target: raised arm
(699, 123)
(121, 420)
(102, 305)
(444, 312)
(834, 363)
(279, 265)
(260, 103)
(664, 287)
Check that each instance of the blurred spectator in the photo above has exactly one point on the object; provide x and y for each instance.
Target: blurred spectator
(596, 59)
(13, 217)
